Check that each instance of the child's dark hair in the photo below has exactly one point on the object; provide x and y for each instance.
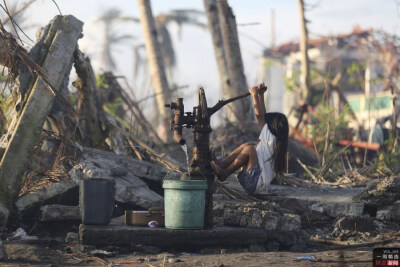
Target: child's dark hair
(278, 126)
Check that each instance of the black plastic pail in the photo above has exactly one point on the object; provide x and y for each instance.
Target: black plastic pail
(96, 200)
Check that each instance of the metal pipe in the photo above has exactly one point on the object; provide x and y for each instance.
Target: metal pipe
(222, 103)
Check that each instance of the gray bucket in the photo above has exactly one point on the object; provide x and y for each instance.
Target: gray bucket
(96, 200)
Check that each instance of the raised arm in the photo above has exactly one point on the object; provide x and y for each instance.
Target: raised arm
(258, 106)
(261, 90)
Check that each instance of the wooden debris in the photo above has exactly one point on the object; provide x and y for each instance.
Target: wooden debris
(89, 103)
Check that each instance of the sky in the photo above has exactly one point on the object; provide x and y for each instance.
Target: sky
(196, 65)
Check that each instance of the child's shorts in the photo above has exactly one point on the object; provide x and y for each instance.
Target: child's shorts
(249, 179)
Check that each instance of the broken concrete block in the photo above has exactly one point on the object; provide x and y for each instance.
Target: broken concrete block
(271, 221)
(171, 238)
(339, 209)
(384, 215)
(289, 223)
(256, 220)
(129, 188)
(110, 160)
(394, 209)
(40, 196)
(51, 213)
(353, 223)
(59, 43)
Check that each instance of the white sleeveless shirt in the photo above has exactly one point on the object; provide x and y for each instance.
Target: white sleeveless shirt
(265, 149)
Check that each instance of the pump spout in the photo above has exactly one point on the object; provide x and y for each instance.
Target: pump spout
(178, 136)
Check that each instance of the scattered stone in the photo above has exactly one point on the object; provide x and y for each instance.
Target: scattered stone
(339, 209)
(3, 253)
(50, 213)
(352, 223)
(72, 238)
(384, 215)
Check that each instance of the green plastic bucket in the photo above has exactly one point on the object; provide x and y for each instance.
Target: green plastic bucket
(184, 203)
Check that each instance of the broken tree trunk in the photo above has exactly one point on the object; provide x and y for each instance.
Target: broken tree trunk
(240, 110)
(60, 40)
(305, 65)
(215, 29)
(156, 62)
(88, 100)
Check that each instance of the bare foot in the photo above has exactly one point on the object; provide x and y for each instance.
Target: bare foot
(217, 162)
(221, 175)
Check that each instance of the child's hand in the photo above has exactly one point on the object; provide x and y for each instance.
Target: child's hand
(253, 90)
(262, 88)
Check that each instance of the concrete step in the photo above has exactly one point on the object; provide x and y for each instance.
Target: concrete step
(170, 238)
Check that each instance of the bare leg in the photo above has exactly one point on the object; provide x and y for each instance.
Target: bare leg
(232, 156)
(247, 159)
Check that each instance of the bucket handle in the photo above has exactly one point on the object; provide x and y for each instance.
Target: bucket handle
(152, 209)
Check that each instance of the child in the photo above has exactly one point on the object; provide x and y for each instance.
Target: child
(260, 163)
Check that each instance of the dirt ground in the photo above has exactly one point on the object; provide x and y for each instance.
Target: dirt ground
(21, 254)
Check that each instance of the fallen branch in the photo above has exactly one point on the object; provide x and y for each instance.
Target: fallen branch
(307, 171)
(328, 164)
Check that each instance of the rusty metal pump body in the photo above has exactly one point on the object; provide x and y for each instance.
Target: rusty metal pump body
(199, 121)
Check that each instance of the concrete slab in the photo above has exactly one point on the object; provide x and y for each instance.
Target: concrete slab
(327, 194)
(305, 195)
(169, 238)
(335, 202)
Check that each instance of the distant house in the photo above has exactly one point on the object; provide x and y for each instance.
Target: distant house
(367, 60)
